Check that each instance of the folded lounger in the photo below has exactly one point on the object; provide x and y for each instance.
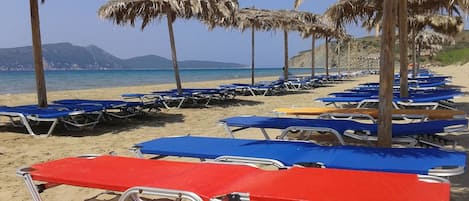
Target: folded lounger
(54, 113)
(372, 113)
(285, 154)
(124, 109)
(360, 131)
(214, 181)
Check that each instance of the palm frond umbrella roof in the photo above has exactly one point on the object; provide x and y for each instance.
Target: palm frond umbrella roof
(348, 11)
(427, 39)
(128, 11)
(450, 25)
(273, 20)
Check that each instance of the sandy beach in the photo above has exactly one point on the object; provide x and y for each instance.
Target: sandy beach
(19, 149)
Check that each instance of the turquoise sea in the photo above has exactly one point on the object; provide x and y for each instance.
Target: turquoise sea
(13, 82)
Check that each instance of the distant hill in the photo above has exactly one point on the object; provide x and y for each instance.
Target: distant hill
(365, 51)
(65, 56)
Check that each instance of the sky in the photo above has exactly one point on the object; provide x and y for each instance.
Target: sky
(77, 22)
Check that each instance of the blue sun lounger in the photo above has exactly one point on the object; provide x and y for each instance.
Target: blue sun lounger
(284, 154)
(28, 114)
(431, 100)
(115, 108)
(263, 88)
(350, 128)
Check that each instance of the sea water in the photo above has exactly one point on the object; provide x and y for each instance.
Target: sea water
(13, 82)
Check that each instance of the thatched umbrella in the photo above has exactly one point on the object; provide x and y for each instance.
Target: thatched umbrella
(37, 54)
(323, 30)
(269, 20)
(427, 39)
(431, 41)
(448, 25)
(297, 21)
(372, 11)
(128, 11)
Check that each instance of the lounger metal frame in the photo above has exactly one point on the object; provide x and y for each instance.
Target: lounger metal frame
(367, 137)
(26, 121)
(401, 104)
(129, 194)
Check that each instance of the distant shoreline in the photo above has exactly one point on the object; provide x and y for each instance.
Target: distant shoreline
(18, 82)
(155, 69)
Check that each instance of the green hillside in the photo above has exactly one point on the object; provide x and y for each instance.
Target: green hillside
(458, 53)
(366, 49)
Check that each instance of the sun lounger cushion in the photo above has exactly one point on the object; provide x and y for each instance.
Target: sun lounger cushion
(419, 128)
(209, 180)
(107, 104)
(403, 160)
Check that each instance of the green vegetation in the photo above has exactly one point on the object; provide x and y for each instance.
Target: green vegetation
(458, 53)
(453, 56)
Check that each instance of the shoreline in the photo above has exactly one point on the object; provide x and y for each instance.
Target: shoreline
(24, 83)
(19, 149)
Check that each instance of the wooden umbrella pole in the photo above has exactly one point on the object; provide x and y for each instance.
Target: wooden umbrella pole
(386, 75)
(348, 56)
(285, 70)
(173, 53)
(403, 43)
(313, 41)
(414, 54)
(338, 57)
(37, 54)
(252, 56)
(327, 57)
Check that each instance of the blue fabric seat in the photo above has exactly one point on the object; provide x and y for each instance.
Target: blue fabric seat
(114, 108)
(53, 113)
(339, 127)
(289, 153)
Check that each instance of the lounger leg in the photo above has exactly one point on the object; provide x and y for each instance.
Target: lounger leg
(180, 103)
(30, 185)
(252, 92)
(26, 124)
(228, 130)
(137, 152)
(166, 105)
(52, 127)
(265, 134)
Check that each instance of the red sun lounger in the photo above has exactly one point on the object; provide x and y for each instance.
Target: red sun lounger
(215, 181)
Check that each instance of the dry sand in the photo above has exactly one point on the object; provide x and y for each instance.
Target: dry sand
(18, 149)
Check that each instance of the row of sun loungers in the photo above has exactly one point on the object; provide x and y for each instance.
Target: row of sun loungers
(194, 96)
(294, 83)
(426, 92)
(365, 172)
(230, 169)
(75, 113)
